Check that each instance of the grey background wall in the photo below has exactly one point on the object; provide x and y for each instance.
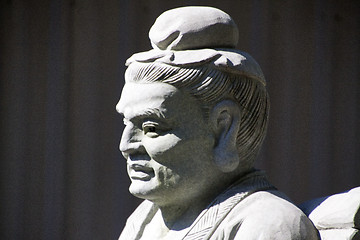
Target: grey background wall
(62, 65)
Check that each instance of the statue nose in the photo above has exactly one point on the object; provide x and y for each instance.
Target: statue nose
(130, 142)
(130, 147)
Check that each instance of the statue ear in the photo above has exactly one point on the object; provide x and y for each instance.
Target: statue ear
(225, 120)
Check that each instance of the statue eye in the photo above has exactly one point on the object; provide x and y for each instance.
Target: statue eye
(150, 129)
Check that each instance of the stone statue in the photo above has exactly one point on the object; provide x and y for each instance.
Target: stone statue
(195, 112)
(337, 217)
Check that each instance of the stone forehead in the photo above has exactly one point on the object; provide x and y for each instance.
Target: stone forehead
(144, 94)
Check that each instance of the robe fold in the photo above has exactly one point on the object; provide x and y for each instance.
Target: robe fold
(251, 208)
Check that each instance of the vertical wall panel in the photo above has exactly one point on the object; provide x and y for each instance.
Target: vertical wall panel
(83, 120)
(14, 85)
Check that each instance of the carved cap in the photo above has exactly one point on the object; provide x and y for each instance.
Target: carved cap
(193, 27)
(194, 36)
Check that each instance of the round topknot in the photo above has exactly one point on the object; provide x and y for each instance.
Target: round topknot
(194, 27)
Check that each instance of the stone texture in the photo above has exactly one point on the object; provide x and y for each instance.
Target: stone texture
(195, 121)
(193, 27)
(250, 209)
(336, 216)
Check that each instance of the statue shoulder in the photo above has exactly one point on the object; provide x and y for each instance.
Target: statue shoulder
(267, 215)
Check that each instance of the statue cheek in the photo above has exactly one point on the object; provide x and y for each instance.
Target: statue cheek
(161, 146)
(168, 177)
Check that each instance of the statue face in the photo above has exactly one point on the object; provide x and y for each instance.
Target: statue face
(166, 142)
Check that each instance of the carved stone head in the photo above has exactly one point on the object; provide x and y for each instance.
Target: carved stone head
(195, 108)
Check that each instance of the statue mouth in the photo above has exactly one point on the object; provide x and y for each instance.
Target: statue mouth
(138, 171)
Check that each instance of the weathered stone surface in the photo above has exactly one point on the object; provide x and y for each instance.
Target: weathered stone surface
(337, 216)
(193, 28)
(196, 113)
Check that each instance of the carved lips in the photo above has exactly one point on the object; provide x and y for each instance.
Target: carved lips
(139, 171)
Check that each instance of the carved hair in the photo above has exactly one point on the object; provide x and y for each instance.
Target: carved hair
(194, 50)
(209, 86)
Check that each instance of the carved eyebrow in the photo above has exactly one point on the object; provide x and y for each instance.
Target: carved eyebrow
(149, 112)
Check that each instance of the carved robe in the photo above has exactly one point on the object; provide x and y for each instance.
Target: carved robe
(250, 209)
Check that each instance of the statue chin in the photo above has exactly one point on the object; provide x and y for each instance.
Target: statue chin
(149, 190)
(141, 189)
